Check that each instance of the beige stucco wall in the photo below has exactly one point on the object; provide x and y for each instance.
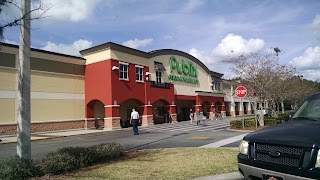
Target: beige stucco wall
(182, 88)
(7, 79)
(54, 96)
(50, 82)
(56, 109)
(98, 56)
(7, 110)
(124, 57)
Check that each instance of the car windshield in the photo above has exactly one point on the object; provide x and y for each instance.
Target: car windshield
(309, 110)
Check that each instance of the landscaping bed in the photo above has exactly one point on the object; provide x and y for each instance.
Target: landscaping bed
(180, 163)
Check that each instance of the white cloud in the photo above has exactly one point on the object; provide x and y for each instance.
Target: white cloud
(309, 60)
(234, 45)
(192, 5)
(71, 49)
(309, 63)
(137, 43)
(229, 47)
(66, 10)
(316, 25)
(11, 42)
(214, 64)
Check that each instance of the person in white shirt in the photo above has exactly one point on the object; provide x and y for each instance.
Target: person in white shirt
(135, 121)
(191, 116)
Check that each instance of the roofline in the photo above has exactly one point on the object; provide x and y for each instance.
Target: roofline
(117, 47)
(42, 51)
(148, 55)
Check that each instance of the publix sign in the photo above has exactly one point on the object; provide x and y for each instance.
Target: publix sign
(186, 71)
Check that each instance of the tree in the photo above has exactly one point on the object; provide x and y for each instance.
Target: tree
(24, 117)
(280, 88)
(254, 73)
(16, 21)
(23, 105)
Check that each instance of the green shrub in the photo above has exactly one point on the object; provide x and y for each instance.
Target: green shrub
(236, 124)
(250, 123)
(285, 116)
(57, 163)
(106, 151)
(271, 121)
(71, 158)
(16, 168)
(83, 155)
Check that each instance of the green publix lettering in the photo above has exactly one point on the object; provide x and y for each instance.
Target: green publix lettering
(183, 68)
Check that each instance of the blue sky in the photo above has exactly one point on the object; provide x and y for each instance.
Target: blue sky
(207, 29)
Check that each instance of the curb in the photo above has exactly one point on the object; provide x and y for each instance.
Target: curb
(46, 135)
(239, 130)
(226, 176)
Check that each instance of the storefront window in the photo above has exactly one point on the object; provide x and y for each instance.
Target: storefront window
(158, 76)
(123, 70)
(216, 86)
(139, 72)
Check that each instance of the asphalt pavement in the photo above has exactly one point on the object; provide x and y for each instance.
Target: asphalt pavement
(180, 135)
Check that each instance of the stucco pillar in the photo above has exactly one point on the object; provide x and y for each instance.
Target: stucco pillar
(112, 117)
(173, 113)
(212, 112)
(147, 117)
(249, 110)
(241, 108)
(223, 110)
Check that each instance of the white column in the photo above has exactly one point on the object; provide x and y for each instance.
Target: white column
(232, 104)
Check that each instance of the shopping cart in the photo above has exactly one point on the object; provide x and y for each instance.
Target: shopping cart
(202, 121)
(218, 116)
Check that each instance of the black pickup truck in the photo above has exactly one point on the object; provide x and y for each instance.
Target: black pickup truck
(285, 152)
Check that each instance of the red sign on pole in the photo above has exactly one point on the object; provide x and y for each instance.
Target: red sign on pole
(241, 92)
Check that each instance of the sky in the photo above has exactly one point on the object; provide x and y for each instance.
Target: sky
(210, 30)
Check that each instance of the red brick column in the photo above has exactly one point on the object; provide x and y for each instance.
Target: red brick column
(112, 117)
(212, 112)
(147, 117)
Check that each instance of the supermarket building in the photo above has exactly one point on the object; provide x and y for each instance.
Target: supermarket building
(99, 89)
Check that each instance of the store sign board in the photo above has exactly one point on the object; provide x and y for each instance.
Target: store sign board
(186, 71)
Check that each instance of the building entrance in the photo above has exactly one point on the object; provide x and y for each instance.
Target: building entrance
(183, 109)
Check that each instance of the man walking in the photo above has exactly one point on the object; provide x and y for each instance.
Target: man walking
(198, 116)
(134, 121)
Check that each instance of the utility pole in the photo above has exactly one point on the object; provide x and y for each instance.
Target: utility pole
(23, 124)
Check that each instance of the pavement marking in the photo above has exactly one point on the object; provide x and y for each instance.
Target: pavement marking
(198, 138)
(224, 142)
(187, 127)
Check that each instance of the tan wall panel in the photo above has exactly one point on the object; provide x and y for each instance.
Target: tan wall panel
(129, 58)
(98, 56)
(79, 85)
(48, 82)
(79, 109)
(182, 88)
(7, 79)
(45, 110)
(7, 110)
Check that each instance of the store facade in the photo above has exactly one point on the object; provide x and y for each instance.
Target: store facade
(99, 89)
(157, 84)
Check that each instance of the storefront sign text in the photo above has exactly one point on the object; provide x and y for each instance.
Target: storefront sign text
(184, 69)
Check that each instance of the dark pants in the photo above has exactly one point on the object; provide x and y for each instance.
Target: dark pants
(135, 125)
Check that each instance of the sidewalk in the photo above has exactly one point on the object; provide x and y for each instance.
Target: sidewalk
(4, 139)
